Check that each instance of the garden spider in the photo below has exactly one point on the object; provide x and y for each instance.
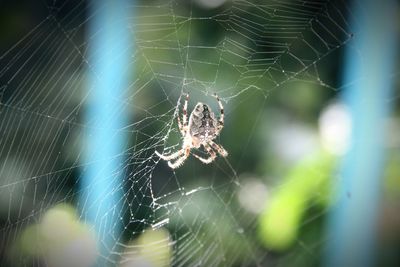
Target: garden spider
(201, 129)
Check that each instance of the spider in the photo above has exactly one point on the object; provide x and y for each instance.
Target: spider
(201, 129)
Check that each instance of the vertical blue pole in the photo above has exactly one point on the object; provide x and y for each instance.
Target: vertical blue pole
(370, 60)
(110, 51)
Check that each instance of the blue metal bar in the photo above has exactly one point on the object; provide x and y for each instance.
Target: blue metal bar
(110, 51)
(370, 60)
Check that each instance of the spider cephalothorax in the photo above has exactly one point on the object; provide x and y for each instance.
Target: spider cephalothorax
(201, 129)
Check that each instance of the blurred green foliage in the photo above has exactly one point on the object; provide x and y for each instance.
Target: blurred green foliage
(307, 184)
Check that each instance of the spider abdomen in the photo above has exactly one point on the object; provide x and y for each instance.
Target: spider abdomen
(202, 123)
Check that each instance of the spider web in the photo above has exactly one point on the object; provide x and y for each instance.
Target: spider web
(248, 52)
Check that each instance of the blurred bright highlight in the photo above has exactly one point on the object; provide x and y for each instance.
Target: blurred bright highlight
(60, 239)
(153, 248)
(335, 128)
(251, 194)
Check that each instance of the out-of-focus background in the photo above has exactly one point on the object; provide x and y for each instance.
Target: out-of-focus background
(89, 90)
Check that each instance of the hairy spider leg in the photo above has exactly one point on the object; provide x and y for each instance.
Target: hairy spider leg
(219, 149)
(211, 158)
(185, 112)
(180, 160)
(221, 117)
(182, 127)
(172, 156)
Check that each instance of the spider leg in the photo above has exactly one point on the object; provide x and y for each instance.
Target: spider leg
(171, 156)
(184, 124)
(182, 129)
(219, 149)
(221, 117)
(180, 160)
(211, 158)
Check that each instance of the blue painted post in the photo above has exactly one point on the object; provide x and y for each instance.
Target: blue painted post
(110, 52)
(370, 60)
